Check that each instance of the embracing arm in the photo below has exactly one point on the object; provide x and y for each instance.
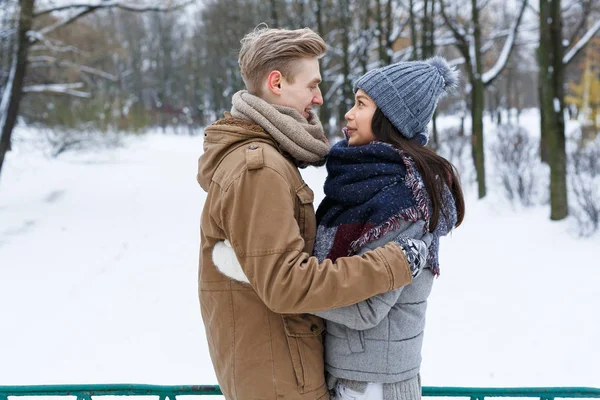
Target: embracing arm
(365, 314)
(257, 216)
(370, 312)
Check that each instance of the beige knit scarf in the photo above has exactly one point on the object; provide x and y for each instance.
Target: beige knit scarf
(303, 139)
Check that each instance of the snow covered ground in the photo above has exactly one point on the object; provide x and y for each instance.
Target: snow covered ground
(98, 266)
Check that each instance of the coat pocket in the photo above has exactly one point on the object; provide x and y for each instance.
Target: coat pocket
(304, 334)
(356, 340)
(306, 212)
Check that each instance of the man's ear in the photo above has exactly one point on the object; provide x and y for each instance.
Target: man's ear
(274, 82)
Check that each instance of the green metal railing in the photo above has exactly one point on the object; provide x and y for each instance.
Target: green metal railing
(85, 392)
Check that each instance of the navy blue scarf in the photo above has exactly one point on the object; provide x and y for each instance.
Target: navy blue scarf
(369, 190)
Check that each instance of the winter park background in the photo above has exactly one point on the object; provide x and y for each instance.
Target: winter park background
(100, 209)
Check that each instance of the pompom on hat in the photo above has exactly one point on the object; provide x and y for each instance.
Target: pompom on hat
(408, 92)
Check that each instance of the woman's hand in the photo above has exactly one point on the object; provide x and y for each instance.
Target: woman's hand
(415, 252)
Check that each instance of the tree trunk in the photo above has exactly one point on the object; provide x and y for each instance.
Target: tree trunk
(477, 105)
(380, 42)
(544, 150)
(545, 82)
(300, 13)
(552, 104)
(11, 98)
(347, 94)
(424, 28)
(413, 31)
(429, 51)
(477, 134)
(498, 109)
(511, 95)
(435, 144)
(325, 109)
(366, 23)
(389, 23)
(274, 17)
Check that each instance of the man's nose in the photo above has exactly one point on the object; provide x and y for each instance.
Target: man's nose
(318, 98)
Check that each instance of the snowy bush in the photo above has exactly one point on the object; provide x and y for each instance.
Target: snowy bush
(517, 164)
(56, 141)
(456, 148)
(584, 177)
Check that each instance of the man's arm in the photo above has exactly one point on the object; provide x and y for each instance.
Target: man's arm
(370, 312)
(258, 219)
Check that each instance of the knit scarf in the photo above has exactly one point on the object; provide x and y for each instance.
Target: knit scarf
(304, 140)
(369, 191)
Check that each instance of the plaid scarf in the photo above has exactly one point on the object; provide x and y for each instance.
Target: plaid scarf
(369, 191)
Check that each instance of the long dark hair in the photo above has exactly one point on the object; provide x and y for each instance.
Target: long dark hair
(428, 163)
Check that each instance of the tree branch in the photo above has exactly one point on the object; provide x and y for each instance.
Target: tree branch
(58, 88)
(534, 10)
(36, 36)
(445, 41)
(7, 32)
(89, 8)
(489, 76)
(56, 46)
(48, 60)
(505, 33)
(568, 6)
(581, 44)
(481, 4)
(456, 62)
(398, 28)
(116, 4)
(401, 55)
(463, 45)
(585, 12)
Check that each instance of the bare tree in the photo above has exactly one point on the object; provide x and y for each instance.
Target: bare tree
(26, 38)
(413, 30)
(555, 52)
(319, 7)
(470, 43)
(345, 32)
(11, 97)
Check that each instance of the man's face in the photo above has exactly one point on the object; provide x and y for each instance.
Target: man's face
(304, 92)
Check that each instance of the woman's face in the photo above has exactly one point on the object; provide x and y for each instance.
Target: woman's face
(358, 130)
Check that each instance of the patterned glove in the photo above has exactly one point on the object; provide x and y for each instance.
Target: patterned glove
(415, 252)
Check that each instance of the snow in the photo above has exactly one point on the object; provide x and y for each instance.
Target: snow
(98, 277)
(98, 264)
(556, 103)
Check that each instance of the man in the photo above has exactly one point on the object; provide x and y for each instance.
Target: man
(261, 346)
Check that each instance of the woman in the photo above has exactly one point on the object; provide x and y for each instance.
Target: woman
(384, 183)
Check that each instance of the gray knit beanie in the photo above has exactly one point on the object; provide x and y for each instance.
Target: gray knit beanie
(408, 92)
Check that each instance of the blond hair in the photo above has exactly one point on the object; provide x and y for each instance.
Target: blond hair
(265, 50)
